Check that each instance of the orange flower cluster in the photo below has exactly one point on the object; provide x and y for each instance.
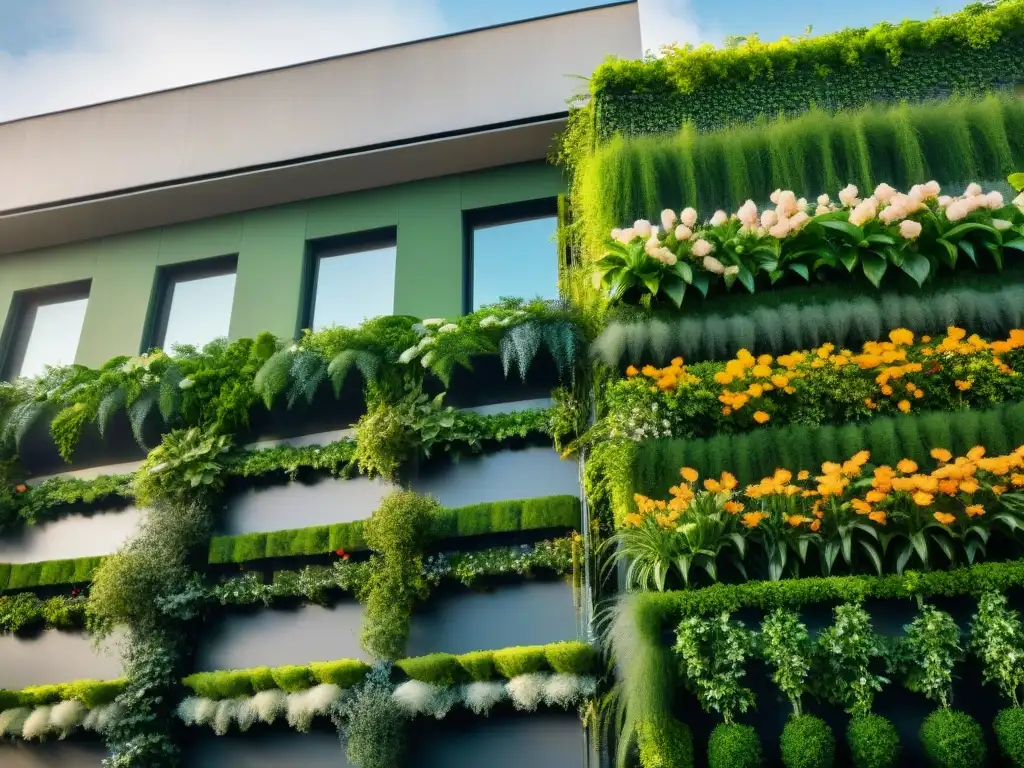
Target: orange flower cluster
(666, 379)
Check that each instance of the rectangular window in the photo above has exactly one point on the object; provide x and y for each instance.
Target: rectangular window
(511, 251)
(194, 303)
(353, 279)
(47, 324)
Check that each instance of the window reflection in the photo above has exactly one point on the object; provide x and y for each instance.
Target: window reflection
(47, 335)
(515, 258)
(197, 309)
(353, 286)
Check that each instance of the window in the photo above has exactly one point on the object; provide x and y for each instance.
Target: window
(352, 280)
(194, 303)
(511, 251)
(46, 330)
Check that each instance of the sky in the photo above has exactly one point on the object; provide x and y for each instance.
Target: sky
(57, 54)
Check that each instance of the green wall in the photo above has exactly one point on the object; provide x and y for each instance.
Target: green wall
(271, 247)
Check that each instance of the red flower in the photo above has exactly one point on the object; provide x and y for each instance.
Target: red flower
(75, 591)
(21, 488)
(341, 553)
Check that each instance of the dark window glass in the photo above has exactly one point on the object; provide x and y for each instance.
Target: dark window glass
(195, 303)
(48, 325)
(352, 283)
(513, 253)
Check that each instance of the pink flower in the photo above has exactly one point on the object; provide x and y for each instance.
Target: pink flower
(668, 219)
(821, 209)
(945, 200)
(848, 196)
(864, 212)
(787, 204)
(688, 217)
(625, 236)
(719, 218)
(683, 232)
(823, 200)
(781, 229)
(892, 213)
(910, 229)
(747, 214)
(642, 227)
(972, 190)
(769, 218)
(711, 264)
(958, 210)
(668, 257)
(652, 244)
(701, 248)
(775, 196)
(994, 200)
(799, 220)
(883, 192)
(932, 189)
(616, 233)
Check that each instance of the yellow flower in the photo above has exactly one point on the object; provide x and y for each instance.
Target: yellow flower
(732, 507)
(941, 454)
(677, 362)
(761, 417)
(904, 405)
(649, 371)
(816, 526)
(860, 458)
(998, 490)
(795, 520)
(712, 485)
(1017, 479)
(803, 474)
(728, 481)
(923, 499)
(963, 386)
(764, 360)
(968, 486)
(870, 403)
(633, 519)
(723, 378)
(755, 390)
(975, 453)
(974, 510)
(632, 371)
(689, 474)
(945, 518)
(780, 381)
(901, 337)
(752, 519)
(906, 466)
(875, 496)
(918, 394)
(861, 507)
(762, 371)
(878, 516)
(727, 411)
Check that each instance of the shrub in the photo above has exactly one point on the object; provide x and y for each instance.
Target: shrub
(571, 657)
(873, 742)
(344, 672)
(667, 744)
(437, 668)
(93, 693)
(262, 679)
(807, 742)
(513, 662)
(479, 665)
(40, 695)
(953, 739)
(224, 684)
(734, 746)
(401, 526)
(1009, 728)
(292, 678)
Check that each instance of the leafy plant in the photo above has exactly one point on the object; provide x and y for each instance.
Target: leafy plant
(953, 739)
(847, 651)
(712, 654)
(874, 742)
(734, 746)
(369, 722)
(807, 742)
(997, 639)
(1009, 729)
(933, 648)
(187, 463)
(786, 646)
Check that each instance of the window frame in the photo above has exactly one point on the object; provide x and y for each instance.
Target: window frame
(339, 245)
(509, 213)
(24, 306)
(167, 276)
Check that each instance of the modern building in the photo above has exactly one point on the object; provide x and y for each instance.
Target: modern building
(408, 180)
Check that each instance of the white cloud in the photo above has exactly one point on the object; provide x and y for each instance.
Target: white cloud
(670, 21)
(115, 48)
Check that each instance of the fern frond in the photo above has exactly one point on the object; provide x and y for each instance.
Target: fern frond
(272, 377)
(520, 343)
(563, 344)
(138, 410)
(367, 363)
(170, 393)
(20, 421)
(308, 370)
(109, 405)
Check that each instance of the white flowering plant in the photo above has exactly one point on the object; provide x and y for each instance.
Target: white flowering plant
(915, 233)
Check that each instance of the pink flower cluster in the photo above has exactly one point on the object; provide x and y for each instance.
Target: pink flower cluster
(973, 199)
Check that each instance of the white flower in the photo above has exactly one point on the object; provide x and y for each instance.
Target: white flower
(909, 229)
(781, 228)
(864, 212)
(448, 328)
(769, 219)
(711, 264)
(488, 321)
(434, 321)
(642, 227)
(186, 384)
(798, 220)
(683, 232)
(408, 355)
(719, 218)
(994, 200)
(774, 197)
(616, 233)
(688, 217)
(425, 360)
(945, 200)
(848, 196)
(293, 348)
(651, 245)
(883, 192)
(932, 189)
(668, 219)
(892, 213)
(972, 190)
(701, 248)
(625, 236)
(747, 214)
(821, 209)
(823, 200)
(788, 204)
(958, 210)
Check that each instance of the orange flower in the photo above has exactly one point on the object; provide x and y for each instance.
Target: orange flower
(632, 371)
(948, 487)
(963, 386)
(816, 526)
(861, 507)
(1017, 479)
(870, 403)
(904, 405)
(689, 474)
(886, 390)
(974, 510)
(732, 507)
(998, 490)
(795, 520)
(968, 486)
(649, 371)
(727, 411)
(752, 519)
(941, 454)
(875, 496)
(923, 499)
(761, 417)
(755, 390)
(945, 518)
(975, 453)
(878, 516)
(723, 378)
(803, 474)
(907, 467)
(21, 487)
(677, 362)
(728, 481)
(780, 381)
(633, 519)
(901, 337)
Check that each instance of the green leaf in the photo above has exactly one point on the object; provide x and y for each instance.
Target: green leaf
(702, 281)
(1017, 244)
(674, 287)
(685, 271)
(966, 246)
(801, 269)
(872, 552)
(880, 239)
(961, 230)
(746, 277)
(917, 266)
(849, 259)
(652, 283)
(874, 267)
(855, 233)
(1017, 181)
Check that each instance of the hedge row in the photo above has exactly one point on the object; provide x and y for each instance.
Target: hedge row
(494, 517)
(439, 668)
(47, 573)
(92, 693)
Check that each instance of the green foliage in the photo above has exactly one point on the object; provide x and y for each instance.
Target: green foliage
(49, 572)
(953, 739)
(186, 465)
(933, 648)
(786, 646)
(1009, 729)
(665, 744)
(229, 684)
(479, 665)
(437, 669)
(807, 742)
(1016, 181)
(734, 746)
(997, 639)
(874, 742)
(712, 654)
(846, 652)
(91, 693)
(372, 724)
(287, 460)
(571, 657)
(970, 50)
(512, 662)
(505, 516)
(292, 678)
